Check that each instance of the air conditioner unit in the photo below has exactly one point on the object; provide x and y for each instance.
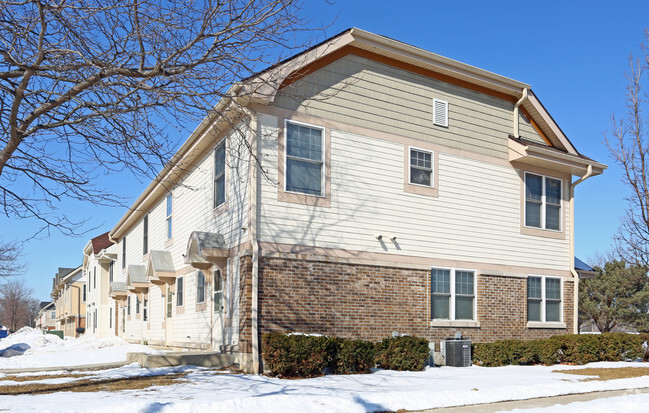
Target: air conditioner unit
(458, 353)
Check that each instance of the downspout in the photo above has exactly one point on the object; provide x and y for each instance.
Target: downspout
(253, 214)
(520, 101)
(575, 276)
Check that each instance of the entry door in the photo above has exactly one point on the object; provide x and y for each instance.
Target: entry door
(218, 306)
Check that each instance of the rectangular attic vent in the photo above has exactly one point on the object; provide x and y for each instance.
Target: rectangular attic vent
(440, 112)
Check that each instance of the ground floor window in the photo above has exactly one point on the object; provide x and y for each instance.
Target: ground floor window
(452, 294)
(543, 299)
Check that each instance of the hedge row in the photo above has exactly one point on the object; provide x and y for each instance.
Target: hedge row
(569, 348)
(298, 355)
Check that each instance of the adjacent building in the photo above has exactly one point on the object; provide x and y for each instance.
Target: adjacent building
(69, 297)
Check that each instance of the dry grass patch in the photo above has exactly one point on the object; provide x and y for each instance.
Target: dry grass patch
(93, 385)
(608, 373)
(42, 377)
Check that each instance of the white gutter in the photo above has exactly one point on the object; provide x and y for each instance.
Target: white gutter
(253, 178)
(516, 116)
(575, 276)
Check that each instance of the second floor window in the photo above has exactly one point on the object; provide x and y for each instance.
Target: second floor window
(304, 167)
(145, 234)
(219, 174)
(542, 202)
(84, 293)
(169, 216)
(111, 265)
(94, 277)
(124, 252)
(421, 167)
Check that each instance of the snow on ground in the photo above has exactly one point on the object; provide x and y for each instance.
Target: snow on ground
(48, 350)
(204, 390)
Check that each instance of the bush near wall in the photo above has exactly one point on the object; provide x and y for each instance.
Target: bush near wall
(569, 348)
(298, 355)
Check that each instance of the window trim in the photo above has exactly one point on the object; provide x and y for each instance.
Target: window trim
(452, 321)
(543, 323)
(222, 143)
(180, 290)
(322, 200)
(322, 157)
(544, 204)
(433, 190)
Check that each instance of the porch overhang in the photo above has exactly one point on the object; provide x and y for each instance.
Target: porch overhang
(522, 151)
(205, 248)
(117, 290)
(136, 279)
(160, 268)
(584, 270)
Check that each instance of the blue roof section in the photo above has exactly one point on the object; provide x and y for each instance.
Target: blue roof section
(582, 266)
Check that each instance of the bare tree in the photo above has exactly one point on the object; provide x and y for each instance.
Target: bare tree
(628, 143)
(15, 304)
(88, 84)
(9, 259)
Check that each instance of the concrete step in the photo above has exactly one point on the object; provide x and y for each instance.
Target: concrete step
(180, 358)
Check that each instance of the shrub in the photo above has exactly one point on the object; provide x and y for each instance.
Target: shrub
(402, 353)
(355, 356)
(298, 355)
(620, 347)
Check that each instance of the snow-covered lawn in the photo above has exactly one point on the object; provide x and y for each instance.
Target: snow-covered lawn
(204, 390)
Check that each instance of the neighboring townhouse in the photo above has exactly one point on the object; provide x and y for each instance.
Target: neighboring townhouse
(46, 317)
(99, 269)
(361, 188)
(69, 295)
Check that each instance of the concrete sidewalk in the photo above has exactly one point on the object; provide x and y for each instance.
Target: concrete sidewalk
(537, 402)
(98, 366)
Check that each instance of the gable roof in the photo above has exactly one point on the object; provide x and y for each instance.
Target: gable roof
(100, 242)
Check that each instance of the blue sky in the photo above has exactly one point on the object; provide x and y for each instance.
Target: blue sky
(573, 53)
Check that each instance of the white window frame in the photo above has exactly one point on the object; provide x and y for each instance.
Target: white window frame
(323, 173)
(451, 312)
(198, 287)
(180, 291)
(169, 215)
(223, 174)
(543, 202)
(544, 322)
(432, 166)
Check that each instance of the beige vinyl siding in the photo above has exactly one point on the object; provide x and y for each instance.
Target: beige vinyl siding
(476, 217)
(370, 94)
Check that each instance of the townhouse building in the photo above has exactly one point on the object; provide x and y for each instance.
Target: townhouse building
(69, 297)
(361, 188)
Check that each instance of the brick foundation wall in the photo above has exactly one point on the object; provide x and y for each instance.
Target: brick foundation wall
(370, 302)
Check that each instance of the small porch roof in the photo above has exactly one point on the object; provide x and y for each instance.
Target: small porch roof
(136, 278)
(584, 270)
(117, 290)
(160, 264)
(202, 247)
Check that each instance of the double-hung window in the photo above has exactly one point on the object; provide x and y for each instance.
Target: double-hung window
(200, 287)
(110, 271)
(169, 216)
(452, 294)
(124, 252)
(542, 202)
(543, 299)
(421, 167)
(219, 174)
(304, 167)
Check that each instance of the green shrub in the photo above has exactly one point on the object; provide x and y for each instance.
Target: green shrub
(355, 356)
(298, 355)
(402, 353)
(569, 348)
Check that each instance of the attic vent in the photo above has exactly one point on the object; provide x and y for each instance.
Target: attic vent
(440, 112)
